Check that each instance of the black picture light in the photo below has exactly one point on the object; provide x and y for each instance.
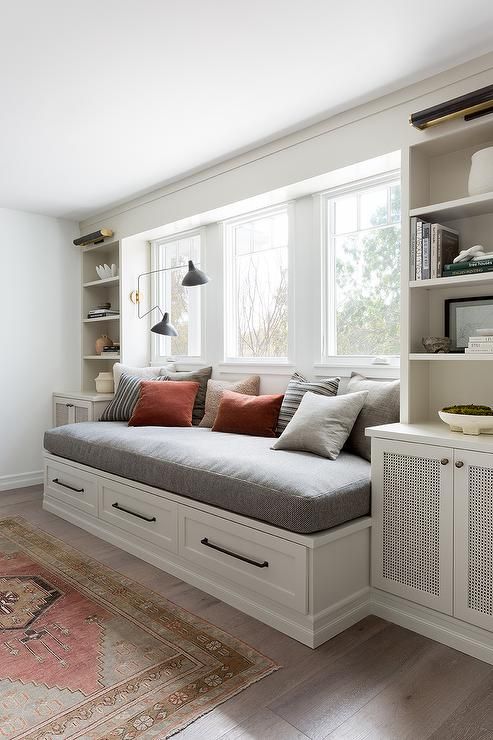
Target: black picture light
(470, 106)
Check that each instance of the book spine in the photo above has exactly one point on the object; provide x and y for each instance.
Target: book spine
(419, 249)
(481, 339)
(471, 351)
(433, 251)
(469, 271)
(483, 346)
(458, 266)
(412, 249)
(425, 263)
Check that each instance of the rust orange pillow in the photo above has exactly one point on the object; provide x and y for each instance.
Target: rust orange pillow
(168, 404)
(253, 415)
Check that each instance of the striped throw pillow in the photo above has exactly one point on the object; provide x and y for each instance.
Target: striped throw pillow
(121, 407)
(297, 387)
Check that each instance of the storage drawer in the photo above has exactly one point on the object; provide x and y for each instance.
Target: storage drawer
(145, 515)
(267, 565)
(75, 487)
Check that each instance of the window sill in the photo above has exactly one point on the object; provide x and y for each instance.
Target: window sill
(344, 366)
(258, 368)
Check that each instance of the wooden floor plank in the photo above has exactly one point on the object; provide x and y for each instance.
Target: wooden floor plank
(473, 719)
(265, 724)
(341, 688)
(419, 698)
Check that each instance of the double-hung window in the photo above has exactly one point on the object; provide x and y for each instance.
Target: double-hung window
(361, 312)
(184, 305)
(256, 297)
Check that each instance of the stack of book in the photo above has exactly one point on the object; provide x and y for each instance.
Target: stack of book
(480, 345)
(432, 247)
(100, 313)
(473, 267)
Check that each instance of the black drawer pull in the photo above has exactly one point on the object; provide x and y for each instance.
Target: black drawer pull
(66, 485)
(206, 542)
(116, 505)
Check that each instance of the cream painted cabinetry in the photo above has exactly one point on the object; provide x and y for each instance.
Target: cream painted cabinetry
(432, 536)
(71, 408)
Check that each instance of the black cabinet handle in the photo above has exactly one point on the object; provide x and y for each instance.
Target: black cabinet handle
(116, 505)
(65, 485)
(69, 405)
(206, 542)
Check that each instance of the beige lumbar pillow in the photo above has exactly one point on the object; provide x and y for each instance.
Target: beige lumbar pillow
(215, 388)
(321, 424)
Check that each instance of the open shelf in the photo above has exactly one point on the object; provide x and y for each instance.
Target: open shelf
(450, 357)
(480, 278)
(106, 281)
(102, 245)
(472, 205)
(102, 318)
(101, 357)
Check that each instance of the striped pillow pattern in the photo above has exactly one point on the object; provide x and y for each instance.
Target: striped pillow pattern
(297, 387)
(121, 407)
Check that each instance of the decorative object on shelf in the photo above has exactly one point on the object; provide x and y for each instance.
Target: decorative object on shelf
(101, 311)
(102, 342)
(193, 277)
(436, 345)
(472, 105)
(466, 255)
(482, 343)
(96, 237)
(105, 271)
(104, 382)
(466, 318)
(481, 174)
(468, 419)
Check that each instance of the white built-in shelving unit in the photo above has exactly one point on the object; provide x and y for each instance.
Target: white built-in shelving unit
(132, 257)
(435, 177)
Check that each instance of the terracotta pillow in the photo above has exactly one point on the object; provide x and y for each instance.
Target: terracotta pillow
(242, 414)
(165, 404)
(215, 388)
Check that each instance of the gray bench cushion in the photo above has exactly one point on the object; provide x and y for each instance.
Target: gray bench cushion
(297, 491)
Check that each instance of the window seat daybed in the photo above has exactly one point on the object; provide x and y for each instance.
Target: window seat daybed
(296, 491)
(283, 536)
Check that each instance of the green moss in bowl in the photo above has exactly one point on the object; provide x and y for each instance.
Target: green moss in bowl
(469, 410)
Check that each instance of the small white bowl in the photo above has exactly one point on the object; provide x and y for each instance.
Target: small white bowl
(467, 423)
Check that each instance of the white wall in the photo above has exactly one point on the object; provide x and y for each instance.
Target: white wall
(39, 334)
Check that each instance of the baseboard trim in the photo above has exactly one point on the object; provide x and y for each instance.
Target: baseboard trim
(440, 627)
(21, 480)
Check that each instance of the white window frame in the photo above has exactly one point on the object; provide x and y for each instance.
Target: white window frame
(328, 303)
(156, 264)
(230, 293)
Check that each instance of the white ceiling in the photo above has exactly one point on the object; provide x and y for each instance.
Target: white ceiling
(103, 99)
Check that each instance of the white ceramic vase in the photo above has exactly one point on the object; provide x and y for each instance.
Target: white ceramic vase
(481, 174)
(104, 383)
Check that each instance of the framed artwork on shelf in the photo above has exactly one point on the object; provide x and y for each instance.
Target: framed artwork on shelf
(464, 317)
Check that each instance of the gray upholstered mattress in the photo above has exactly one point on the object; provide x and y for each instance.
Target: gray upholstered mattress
(297, 491)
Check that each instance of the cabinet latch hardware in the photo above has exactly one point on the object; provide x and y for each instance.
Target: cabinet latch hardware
(459, 464)
(69, 405)
(444, 460)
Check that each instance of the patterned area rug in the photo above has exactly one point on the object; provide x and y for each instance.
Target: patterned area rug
(87, 653)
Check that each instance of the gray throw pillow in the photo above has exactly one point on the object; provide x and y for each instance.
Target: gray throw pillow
(321, 424)
(297, 387)
(201, 377)
(122, 405)
(382, 406)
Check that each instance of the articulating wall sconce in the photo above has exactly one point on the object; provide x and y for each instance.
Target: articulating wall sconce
(193, 278)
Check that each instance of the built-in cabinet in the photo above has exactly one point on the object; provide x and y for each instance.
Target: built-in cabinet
(72, 408)
(432, 535)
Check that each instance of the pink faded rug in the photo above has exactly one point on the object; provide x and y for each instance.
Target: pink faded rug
(87, 653)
